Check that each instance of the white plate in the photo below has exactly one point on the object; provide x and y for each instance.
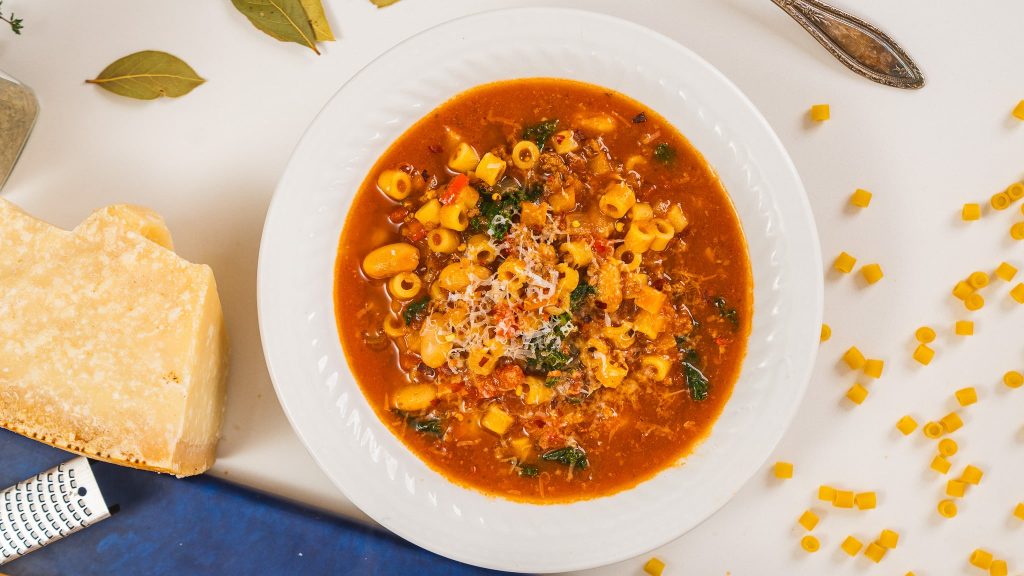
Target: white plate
(326, 406)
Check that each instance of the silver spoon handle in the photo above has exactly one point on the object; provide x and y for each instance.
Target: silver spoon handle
(860, 46)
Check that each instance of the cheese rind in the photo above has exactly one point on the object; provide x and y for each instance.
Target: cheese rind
(111, 345)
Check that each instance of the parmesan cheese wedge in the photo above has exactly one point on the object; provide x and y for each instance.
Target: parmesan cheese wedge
(111, 345)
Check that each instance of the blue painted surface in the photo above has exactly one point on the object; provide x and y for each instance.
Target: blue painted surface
(198, 526)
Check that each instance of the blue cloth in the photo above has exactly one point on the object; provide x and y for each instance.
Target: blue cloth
(201, 525)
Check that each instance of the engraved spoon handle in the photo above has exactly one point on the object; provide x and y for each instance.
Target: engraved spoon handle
(860, 46)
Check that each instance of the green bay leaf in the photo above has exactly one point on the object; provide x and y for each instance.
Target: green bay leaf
(148, 75)
(285, 20)
(318, 20)
(383, 3)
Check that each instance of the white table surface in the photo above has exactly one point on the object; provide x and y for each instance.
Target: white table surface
(209, 163)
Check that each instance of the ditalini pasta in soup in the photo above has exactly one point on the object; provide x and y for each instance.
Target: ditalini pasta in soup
(544, 291)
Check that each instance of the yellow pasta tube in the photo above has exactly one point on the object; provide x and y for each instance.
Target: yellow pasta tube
(631, 259)
(617, 199)
(534, 215)
(429, 213)
(577, 254)
(621, 336)
(677, 218)
(655, 367)
(394, 327)
(568, 278)
(511, 269)
(639, 237)
(641, 211)
(490, 169)
(404, 285)
(663, 233)
(463, 158)
(395, 183)
(453, 217)
(443, 241)
(479, 249)
(468, 197)
(525, 155)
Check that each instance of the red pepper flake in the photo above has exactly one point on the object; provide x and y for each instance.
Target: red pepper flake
(435, 148)
(398, 214)
(559, 138)
(722, 341)
(602, 247)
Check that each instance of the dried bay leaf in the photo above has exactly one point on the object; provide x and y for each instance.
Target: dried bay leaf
(383, 3)
(318, 20)
(285, 20)
(148, 75)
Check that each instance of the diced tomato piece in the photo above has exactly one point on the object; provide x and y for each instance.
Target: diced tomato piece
(451, 193)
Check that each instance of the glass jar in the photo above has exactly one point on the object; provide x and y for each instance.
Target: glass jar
(18, 111)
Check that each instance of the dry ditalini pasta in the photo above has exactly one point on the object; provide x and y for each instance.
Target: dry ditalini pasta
(857, 394)
(654, 567)
(808, 520)
(875, 552)
(948, 447)
(906, 425)
(854, 358)
(862, 198)
(947, 508)
(940, 464)
(866, 500)
(923, 354)
(810, 543)
(967, 396)
(872, 273)
(783, 470)
(933, 430)
(1013, 379)
(845, 263)
(851, 545)
(1005, 271)
(964, 328)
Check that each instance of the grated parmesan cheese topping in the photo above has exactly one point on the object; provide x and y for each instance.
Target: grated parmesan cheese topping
(488, 313)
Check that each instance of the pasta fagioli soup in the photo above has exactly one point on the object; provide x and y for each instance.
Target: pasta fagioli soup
(544, 291)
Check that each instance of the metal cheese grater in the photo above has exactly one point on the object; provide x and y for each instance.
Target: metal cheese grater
(48, 507)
